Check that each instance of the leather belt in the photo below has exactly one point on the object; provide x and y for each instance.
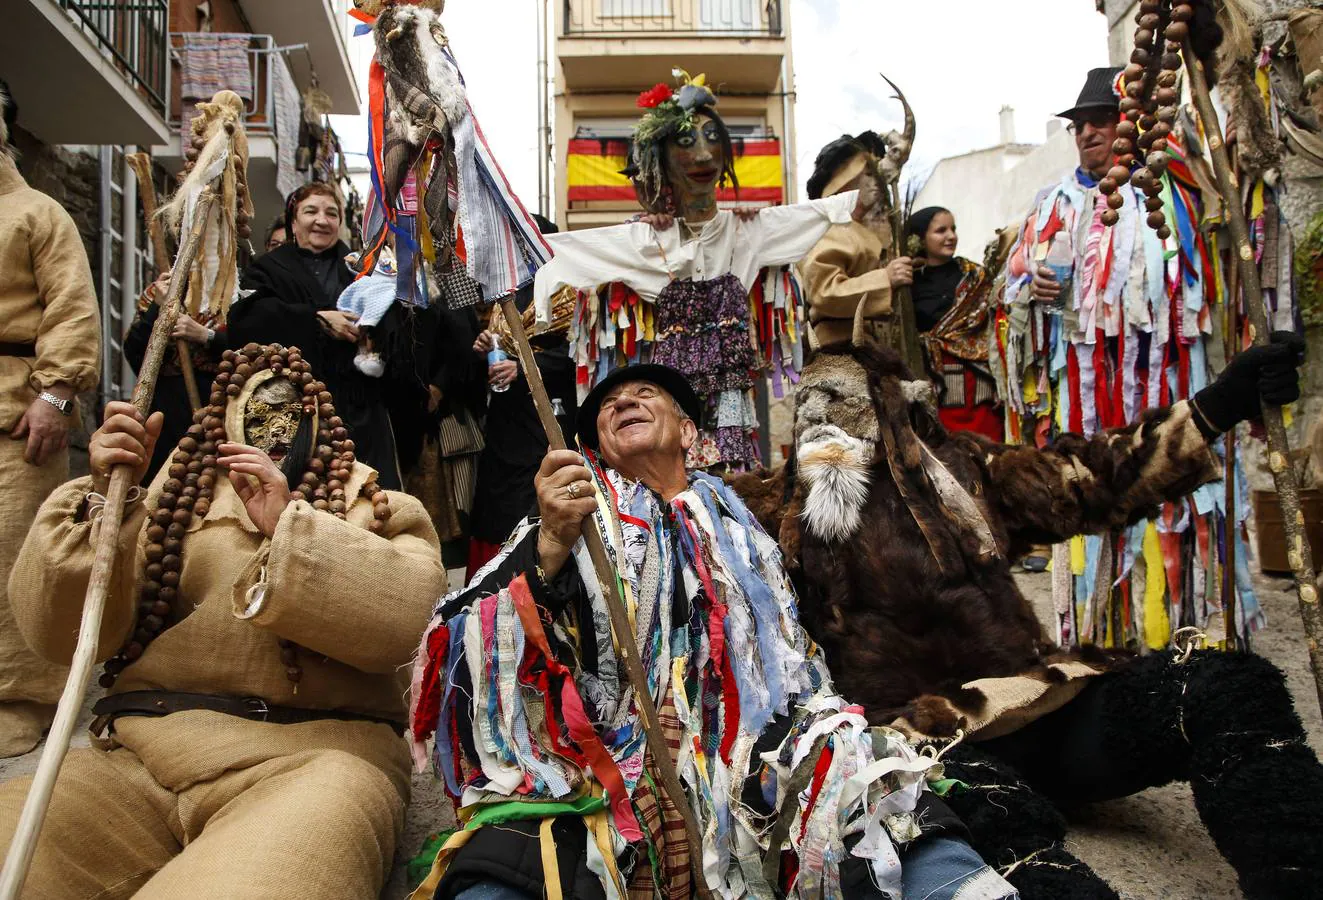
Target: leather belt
(8, 349)
(254, 709)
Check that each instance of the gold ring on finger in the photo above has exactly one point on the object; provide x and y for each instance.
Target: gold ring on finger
(573, 490)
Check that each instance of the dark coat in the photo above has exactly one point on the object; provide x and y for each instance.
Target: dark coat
(516, 441)
(896, 625)
(282, 308)
(171, 396)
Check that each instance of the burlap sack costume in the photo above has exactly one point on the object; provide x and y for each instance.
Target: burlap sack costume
(49, 334)
(200, 804)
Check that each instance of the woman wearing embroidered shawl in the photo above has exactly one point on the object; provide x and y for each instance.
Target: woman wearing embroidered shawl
(536, 728)
(951, 312)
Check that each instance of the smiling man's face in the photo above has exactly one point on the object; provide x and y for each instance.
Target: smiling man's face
(639, 425)
(1095, 132)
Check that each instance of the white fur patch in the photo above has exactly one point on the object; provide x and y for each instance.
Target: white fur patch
(443, 83)
(835, 466)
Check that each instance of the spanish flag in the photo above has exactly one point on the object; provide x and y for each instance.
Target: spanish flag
(594, 166)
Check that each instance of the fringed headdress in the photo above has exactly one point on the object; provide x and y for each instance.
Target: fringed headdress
(219, 148)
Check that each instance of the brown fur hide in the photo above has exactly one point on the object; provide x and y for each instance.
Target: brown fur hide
(903, 630)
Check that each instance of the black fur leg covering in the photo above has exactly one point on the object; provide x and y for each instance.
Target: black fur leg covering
(1257, 785)
(1017, 830)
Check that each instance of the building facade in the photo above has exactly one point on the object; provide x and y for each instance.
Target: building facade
(95, 80)
(988, 189)
(606, 52)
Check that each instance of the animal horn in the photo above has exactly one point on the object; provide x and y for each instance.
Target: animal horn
(908, 134)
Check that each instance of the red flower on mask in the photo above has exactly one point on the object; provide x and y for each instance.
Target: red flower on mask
(656, 96)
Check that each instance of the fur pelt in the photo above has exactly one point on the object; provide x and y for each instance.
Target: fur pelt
(910, 603)
(411, 46)
(895, 621)
(376, 7)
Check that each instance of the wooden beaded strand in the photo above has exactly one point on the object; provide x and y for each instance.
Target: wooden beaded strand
(1148, 110)
(191, 481)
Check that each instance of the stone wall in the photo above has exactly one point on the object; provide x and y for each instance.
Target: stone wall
(72, 176)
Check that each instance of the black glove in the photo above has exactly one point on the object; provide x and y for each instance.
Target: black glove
(1259, 372)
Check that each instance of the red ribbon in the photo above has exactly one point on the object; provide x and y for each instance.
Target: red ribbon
(576, 718)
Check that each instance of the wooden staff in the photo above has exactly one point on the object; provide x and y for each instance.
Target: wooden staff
(141, 164)
(1288, 491)
(1231, 336)
(112, 516)
(626, 643)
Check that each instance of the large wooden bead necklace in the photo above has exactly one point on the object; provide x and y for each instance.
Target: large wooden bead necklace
(1148, 109)
(188, 491)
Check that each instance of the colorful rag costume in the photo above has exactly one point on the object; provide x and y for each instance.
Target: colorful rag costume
(1137, 328)
(714, 305)
(535, 727)
(953, 317)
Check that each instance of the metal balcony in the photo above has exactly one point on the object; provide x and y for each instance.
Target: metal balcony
(88, 71)
(260, 107)
(660, 18)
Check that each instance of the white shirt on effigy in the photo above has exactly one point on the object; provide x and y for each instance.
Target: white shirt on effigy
(646, 260)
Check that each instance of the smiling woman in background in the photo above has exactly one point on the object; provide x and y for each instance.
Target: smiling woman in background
(294, 290)
(951, 312)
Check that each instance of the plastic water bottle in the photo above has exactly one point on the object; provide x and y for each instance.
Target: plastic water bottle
(494, 356)
(1061, 261)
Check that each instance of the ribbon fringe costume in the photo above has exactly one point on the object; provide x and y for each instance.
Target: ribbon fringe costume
(1139, 329)
(719, 307)
(519, 682)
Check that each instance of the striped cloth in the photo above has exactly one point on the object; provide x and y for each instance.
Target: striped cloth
(491, 216)
(209, 63)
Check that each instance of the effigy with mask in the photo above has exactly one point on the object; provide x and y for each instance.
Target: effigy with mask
(268, 398)
(714, 295)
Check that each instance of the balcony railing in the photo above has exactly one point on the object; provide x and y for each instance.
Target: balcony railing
(132, 35)
(662, 18)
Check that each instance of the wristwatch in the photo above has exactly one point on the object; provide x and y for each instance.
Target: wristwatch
(65, 407)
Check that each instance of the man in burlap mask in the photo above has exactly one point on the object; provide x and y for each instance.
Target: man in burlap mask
(266, 595)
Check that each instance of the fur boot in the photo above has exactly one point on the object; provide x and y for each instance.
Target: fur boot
(1018, 831)
(1257, 785)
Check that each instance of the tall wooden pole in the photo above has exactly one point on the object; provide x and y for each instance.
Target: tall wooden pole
(626, 643)
(1231, 594)
(24, 842)
(141, 164)
(1298, 552)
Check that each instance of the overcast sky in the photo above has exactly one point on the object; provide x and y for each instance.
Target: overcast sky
(958, 62)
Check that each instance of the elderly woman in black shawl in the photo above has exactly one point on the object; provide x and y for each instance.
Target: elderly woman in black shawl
(293, 296)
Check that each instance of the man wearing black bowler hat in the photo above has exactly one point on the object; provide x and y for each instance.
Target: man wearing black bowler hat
(519, 680)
